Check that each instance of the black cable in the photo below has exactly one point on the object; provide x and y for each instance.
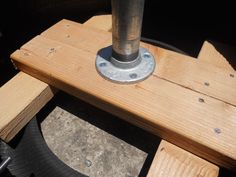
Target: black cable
(163, 45)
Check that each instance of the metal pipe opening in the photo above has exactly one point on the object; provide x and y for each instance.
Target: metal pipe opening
(127, 18)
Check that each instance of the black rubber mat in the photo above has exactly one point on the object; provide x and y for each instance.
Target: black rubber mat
(31, 157)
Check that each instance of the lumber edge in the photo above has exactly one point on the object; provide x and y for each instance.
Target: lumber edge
(209, 54)
(21, 98)
(172, 161)
(25, 105)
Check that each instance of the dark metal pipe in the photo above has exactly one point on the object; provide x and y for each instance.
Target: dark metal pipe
(126, 61)
(127, 18)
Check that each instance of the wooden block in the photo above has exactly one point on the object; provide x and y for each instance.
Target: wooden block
(103, 22)
(172, 161)
(20, 99)
(23, 96)
(209, 54)
(64, 56)
(198, 76)
(177, 68)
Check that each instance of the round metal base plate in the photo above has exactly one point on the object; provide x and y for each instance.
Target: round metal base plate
(125, 75)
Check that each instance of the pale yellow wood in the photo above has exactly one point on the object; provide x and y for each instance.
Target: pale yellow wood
(172, 161)
(23, 96)
(199, 76)
(20, 99)
(201, 167)
(190, 161)
(194, 121)
(209, 54)
(92, 22)
(102, 22)
(177, 68)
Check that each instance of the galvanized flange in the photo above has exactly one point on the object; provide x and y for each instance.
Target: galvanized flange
(125, 72)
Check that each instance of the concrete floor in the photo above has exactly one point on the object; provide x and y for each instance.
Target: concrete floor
(96, 143)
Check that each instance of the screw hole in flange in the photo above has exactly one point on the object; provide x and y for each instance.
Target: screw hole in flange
(103, 64)
(133, 76)
(146, 55)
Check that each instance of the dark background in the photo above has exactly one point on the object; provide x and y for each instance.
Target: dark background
(184, 25)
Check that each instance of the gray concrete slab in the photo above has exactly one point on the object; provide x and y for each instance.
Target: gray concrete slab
(88, 149)
(94, 142)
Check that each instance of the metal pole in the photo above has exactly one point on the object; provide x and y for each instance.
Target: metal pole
(127, 16)
(125, 61)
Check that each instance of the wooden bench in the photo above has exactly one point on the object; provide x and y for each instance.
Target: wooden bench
(36, 94)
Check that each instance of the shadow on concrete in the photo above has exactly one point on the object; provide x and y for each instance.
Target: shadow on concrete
(111, 124)
(119, 128)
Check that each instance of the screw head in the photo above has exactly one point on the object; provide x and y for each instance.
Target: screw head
(201, 100)
(103, 64)
(88, 163)
(217, 131)
(133, 75)
(146, 55)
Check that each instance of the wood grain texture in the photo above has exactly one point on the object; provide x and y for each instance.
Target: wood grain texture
(209, 54)
(172, 161)
(103, 22)
(64, 56)
(182, 159)
(23, 96)
(201, 77)
(20, 99)
(210, 80)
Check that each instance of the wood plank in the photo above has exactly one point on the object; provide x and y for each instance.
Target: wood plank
(209, 54)
(177, 68)
(172, 161)
(201, 77)
(23, 96)
(103, 22)
(200, 166)
(20, 99)
(196, 122)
